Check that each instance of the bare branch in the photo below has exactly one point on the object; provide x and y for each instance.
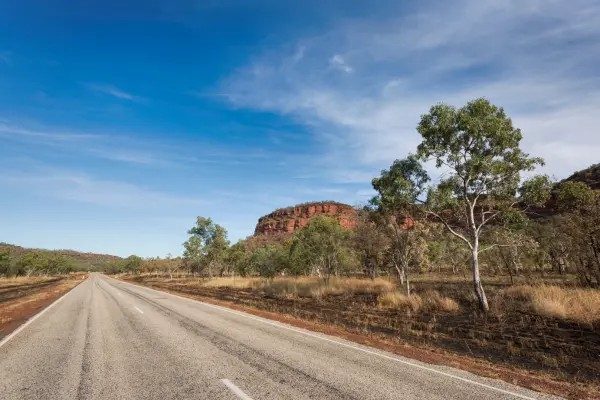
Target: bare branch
(458, 235)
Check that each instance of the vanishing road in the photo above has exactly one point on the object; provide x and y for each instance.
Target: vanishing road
(112, 340)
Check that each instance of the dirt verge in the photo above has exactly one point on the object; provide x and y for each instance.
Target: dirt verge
(21, 299)
(335, 317)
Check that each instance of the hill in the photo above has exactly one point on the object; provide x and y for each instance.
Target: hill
(291, 219)
(79, 258)
(590, 176)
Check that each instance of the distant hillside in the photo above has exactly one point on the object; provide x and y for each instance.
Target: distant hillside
(91, 259)
(589, 176)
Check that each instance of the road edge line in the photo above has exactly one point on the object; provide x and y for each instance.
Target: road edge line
(36, 316)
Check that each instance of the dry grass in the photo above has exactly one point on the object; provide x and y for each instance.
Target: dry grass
(286, 287)
(240, 282)
(431, 301)
(575, 304)
(316, 288)
(23, 280)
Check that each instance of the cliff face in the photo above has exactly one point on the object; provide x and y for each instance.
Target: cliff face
(291, 219)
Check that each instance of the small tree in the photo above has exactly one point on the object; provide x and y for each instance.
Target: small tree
(408, 246)
(132, 264)
(212, 241)
(322, 246)
(270, 260)
(581, 222)
(5, 260)
(239, 258)
(370, 243)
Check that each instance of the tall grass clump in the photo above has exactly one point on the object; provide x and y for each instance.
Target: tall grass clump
(430, 301)
(312, 287)
(566, 303)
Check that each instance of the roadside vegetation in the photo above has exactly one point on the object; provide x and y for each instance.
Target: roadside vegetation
(483, 257)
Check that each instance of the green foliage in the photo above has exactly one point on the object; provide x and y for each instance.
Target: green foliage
(572, 195)
(5, 262)
(207, 246)
(270, 260)
(401, 185)
(132, 264)
(321, 246)
(239, 259)
(480, 147)
(43, 263)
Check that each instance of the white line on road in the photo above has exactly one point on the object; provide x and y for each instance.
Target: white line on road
(140, 311)
(238, 392)
(36, 316)
(279, 325)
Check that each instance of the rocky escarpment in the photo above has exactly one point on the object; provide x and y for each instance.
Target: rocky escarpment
(291, 219)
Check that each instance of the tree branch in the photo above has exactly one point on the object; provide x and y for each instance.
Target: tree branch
(458, 235)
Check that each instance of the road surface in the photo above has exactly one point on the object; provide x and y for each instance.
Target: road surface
(113, 340)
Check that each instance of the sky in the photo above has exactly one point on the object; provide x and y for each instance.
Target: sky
(121, 121)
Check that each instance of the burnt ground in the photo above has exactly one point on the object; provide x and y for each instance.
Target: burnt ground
(540, 353)
(23, 298)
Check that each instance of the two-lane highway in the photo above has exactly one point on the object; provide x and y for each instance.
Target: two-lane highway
(112, 340)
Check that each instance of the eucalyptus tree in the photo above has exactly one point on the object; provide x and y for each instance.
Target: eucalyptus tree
(476, 148)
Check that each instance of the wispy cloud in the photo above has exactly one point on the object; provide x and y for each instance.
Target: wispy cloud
(337, 62)
(538, 59)
(16, 131)
(113, 91)
(82, 188)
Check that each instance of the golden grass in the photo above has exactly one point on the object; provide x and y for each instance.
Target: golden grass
(240, 282)
(431, 301)
(575, 304)
(316, 288)
(23, 280)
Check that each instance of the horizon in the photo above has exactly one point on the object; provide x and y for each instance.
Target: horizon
(122, 123)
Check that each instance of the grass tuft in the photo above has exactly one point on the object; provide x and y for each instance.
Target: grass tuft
(431, 301)
(575, 304)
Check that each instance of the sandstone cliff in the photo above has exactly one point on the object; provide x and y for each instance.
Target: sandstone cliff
(291, 219)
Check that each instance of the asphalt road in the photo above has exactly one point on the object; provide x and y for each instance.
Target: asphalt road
(113, 340)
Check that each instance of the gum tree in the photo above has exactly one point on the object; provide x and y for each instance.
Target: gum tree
(476, 148)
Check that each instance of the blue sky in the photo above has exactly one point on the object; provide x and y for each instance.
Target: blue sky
(120, 123)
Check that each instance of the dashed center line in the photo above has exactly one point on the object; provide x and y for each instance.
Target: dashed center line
(140, 311)
(236, 390)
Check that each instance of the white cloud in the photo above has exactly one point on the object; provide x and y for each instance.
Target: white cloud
(299, 55)
(536, 58)
(113, 91)
(337, 62)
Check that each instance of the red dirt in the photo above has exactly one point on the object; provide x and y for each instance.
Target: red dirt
(21, 302)
(429, 354)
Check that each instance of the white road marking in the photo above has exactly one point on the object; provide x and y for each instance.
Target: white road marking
(279, 325)
(140, 311)
(238, 392)
(36, 316)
